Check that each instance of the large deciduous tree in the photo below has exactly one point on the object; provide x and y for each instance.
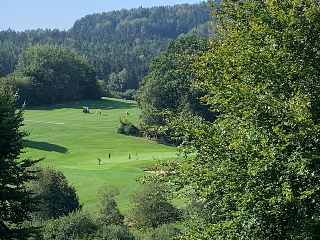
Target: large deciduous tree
(16, 202)
(168, 84)
(257, 164)
(56, 74)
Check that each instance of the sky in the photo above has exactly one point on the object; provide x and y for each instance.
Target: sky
(20, 15)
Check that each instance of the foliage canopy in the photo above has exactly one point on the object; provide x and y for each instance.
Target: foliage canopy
(257, 165)
(168, 86)
(56, 197)
(152, 207)
(120, 44)
(56, 74)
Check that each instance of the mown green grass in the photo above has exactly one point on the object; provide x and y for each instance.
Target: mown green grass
(72, 141)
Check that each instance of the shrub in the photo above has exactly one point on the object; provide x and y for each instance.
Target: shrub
(114, 232)
(76, 225)
(128, 94)
(152, 207)
(127, 128)
(164, 232)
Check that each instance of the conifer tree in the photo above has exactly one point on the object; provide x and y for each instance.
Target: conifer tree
(16, 202)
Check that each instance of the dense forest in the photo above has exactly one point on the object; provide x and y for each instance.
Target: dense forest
(119, 44)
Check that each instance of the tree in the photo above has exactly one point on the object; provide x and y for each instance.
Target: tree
(117, 81)
(113, 41)
(152, 207)
(19, 85)
(257, 164)
(76, 225)
(56, 74)
(108, 210)
(16, 201)
(164, 232)
(112, 232)
(168, 86)
(56, 197)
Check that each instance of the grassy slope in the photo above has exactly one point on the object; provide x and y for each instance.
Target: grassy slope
(72, 141)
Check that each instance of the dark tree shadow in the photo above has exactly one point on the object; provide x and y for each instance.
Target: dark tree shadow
(45, 146)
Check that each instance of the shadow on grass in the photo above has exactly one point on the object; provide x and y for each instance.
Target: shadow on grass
(103, 104)
(45, 146)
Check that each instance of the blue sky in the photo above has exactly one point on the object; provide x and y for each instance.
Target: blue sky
(20, 15)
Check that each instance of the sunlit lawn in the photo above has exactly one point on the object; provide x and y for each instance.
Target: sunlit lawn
(72, 141)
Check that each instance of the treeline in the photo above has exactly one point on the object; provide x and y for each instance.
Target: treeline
(119, 44)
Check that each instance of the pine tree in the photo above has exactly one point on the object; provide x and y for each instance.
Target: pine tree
(16, 201)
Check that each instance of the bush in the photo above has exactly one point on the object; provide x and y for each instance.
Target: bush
(128, 94)
(76, 225)
(113, 232)
(152, 207)
(127, 128)
(164, 232)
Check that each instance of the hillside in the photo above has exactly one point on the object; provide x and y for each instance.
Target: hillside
(120, 43)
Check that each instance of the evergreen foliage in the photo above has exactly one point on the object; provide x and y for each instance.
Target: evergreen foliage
(108, 224)
(16, 201)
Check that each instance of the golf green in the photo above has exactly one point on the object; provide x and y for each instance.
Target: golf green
(73, 141)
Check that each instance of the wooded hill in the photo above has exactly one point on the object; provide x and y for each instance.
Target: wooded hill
(120, 44)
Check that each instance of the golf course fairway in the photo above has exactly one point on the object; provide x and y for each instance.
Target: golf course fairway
(72, 141)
